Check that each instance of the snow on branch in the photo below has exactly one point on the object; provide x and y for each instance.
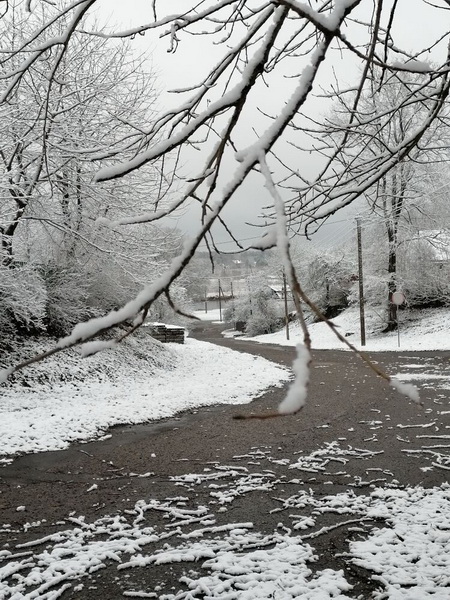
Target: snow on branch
(268, 240)
(408, 389)
(233, 98)
(326, 23)
(176, 22)
(337, 188)
(298, 390)
(81, 8)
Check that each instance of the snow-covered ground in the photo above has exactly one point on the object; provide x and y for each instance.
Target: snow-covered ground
(210, 315)
(419, 330)
(146, 382)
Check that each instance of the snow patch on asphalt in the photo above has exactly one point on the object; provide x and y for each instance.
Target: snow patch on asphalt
(404, 536)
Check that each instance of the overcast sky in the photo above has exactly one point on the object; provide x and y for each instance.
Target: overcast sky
(414, 28)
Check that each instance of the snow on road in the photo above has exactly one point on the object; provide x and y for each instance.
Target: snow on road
(50, 415)
(400, 536)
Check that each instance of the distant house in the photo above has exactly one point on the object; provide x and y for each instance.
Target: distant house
(277, 291)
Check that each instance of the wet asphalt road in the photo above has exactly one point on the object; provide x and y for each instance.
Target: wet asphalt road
(346, 402)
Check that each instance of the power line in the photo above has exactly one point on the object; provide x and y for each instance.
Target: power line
(256, 237)
(368, 216)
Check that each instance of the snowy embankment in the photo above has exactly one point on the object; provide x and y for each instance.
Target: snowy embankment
(67, 399)
(419, 330)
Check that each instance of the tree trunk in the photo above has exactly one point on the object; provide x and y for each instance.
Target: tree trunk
(392, 281)
(398, 185)
(7, 233)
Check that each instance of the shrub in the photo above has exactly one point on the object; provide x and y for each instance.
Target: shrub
(23, 300)
(259, 312)
(67, 293)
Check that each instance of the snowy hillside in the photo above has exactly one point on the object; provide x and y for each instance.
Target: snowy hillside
(419, 330)
(136, 355)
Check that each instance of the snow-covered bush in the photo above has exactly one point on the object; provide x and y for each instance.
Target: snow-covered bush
(265, 315)
(163, 312)
(425, 278)
(259, 311)
(237, 311)
(325, 276)
(375, 289)
(23, 300)
(328, 282)
(110, 286)
(67, 293)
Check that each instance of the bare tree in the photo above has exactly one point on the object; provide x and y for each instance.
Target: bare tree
(422, 240)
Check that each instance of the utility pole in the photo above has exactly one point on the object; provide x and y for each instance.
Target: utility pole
(361, 284)
(233, 307)
(220, 302)
(286, 312)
